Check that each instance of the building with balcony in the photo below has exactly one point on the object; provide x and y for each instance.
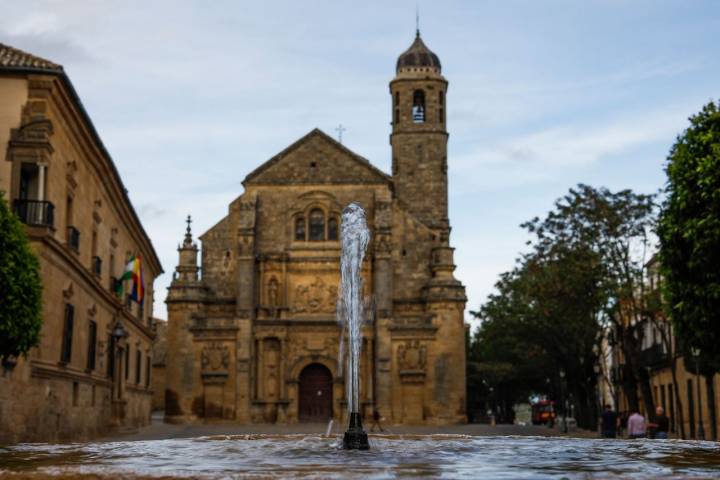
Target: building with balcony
(91, 370)
(675, 387)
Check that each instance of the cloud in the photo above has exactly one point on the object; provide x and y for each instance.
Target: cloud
(190, 96)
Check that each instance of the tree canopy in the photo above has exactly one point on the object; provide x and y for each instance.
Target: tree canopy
(20, 288)
(587, 260)
(689, 231)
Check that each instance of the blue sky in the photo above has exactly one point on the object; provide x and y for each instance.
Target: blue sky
(189, 97)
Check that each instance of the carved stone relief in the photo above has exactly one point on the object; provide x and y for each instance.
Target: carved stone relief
(215, 357)
(412, 355)
(317, 297)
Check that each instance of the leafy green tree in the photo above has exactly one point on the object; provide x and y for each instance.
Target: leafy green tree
(689, 231)
(20, 288)
(543, 317)
(616, 227)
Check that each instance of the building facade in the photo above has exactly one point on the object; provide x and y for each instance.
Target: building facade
(90, 371)
(255, 337)
(674, 382)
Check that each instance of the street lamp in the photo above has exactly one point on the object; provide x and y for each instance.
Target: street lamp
(696, 355)
(118, 332)
(562, 399)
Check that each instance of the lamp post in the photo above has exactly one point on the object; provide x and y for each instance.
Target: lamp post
(562, 399)
(696, 355)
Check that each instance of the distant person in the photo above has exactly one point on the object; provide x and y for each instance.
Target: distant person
(636, 426)
(609, 423)
(376, 421)
(662, 424)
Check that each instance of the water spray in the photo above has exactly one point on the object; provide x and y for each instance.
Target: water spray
(354, 238)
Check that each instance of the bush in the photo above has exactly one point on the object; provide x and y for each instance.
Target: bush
(20, 288)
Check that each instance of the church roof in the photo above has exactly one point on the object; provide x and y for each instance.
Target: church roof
(342, 167)
(418, 55)
(14, 58)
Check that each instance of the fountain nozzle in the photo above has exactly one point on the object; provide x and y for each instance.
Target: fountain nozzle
(355, 437)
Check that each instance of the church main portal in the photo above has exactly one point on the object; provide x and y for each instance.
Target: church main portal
(315, 394)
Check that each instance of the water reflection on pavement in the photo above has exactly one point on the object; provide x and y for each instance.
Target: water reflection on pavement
(409, 456)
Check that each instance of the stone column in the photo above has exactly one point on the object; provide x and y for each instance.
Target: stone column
(41, 181)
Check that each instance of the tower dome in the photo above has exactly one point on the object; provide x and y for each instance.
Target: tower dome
(418, 58)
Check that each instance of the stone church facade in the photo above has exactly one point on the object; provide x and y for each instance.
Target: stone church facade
(255, 337)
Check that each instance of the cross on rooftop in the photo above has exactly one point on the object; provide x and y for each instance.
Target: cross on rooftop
(340, 129)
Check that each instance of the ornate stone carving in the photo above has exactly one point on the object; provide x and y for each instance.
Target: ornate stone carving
(214, 357)
(317, 297)
(246, 245)
(383, 214)
(412, 356)
(272, 293)
(382, 244)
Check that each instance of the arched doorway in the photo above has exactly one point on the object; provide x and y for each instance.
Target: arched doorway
(315, 394)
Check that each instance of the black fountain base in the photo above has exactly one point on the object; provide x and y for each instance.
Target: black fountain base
(355, 437)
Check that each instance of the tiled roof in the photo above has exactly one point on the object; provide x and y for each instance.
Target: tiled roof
(418, 55)
(12, 58)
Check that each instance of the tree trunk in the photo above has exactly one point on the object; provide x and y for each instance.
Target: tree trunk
(710, 384)
(632, 357)
(629, 386)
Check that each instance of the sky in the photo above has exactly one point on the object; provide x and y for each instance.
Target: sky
(191, 96)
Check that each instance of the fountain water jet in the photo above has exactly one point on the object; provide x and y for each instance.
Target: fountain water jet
(354, 238)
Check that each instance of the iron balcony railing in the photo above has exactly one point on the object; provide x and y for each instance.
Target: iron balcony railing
(73, 238)
(654, 356)
(97, 266)
(115, 285)
(35, 212)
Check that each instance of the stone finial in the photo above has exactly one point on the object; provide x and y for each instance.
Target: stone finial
(188, 233)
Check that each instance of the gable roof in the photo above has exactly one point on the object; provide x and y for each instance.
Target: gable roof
(262, 174)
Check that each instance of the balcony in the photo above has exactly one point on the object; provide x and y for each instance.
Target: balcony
(97, 266)
(654, 356)
(115, 286)
(73, 238)
(35, 212)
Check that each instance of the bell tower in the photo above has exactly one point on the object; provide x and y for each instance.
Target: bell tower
(419, 135)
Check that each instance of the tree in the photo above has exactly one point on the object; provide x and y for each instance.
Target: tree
(689, 231)
(543, 317)
(616, 227)
(20, 288)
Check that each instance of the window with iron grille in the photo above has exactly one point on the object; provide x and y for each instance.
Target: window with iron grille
(66, 351)
(97, 266)
(73, 238)
(92, 342)
(148, 364)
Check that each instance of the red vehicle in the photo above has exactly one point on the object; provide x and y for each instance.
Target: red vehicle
(543, 413)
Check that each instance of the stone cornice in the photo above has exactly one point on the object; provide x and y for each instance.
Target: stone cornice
(40, 369)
